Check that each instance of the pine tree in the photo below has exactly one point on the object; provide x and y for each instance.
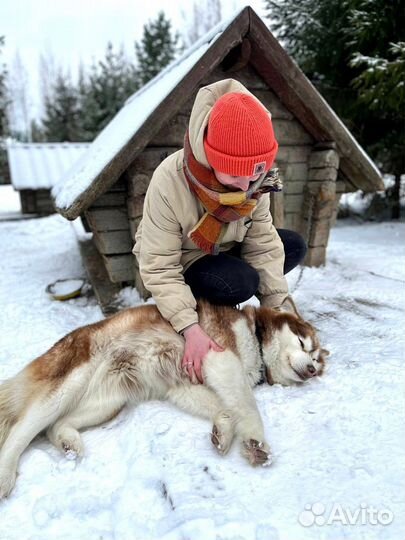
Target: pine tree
(104, 92)
(62, 113)
(343, 46)
(157, 47)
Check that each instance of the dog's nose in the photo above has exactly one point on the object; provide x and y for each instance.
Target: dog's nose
(311, 370)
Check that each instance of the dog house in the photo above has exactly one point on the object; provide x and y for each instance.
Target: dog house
(318, 157)
(36, 167)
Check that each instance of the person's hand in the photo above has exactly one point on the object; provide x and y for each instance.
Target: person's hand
(198, 343)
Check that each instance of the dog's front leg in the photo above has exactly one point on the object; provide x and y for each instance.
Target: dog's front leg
(223, 373)
(202, 401)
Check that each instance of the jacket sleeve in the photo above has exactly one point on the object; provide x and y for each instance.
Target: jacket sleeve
(264, 251)
(159, 261)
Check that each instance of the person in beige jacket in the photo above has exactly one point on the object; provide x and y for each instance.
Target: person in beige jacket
(206, 230)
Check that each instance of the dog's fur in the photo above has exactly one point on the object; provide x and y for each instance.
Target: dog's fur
(87, 377)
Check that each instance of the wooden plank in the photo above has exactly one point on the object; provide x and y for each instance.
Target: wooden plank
(293, 202)
(277, 208)
(133, 227)
(291, 132)
(111, 198)
(293, 221)
(324, 158)
(294, 172)
(294, 188)
(28, 201)
(316, 256)
(140, 287)
(326, 173)
(248, 76)
(170, 105)
(135, 206)
(104, 290)
(340, 187)
(293, 153)
(273, 104)
(148, 160)
(172, 132)
(108, 219)
(120, 267)
(119, 185)
(113, 242)
(138, 184)
(319, 234)
(301, 98)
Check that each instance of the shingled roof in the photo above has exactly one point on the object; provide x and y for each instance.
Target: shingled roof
(147, 110)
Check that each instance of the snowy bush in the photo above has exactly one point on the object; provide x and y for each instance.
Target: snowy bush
(372, 206)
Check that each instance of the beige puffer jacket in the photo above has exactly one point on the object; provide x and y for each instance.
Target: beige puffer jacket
(162, 247)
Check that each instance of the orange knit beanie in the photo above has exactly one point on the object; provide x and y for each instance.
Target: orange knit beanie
(240, 139)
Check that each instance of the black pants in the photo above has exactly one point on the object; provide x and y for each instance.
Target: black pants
(226, 279)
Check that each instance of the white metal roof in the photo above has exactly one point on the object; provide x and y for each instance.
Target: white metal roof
(41, 165)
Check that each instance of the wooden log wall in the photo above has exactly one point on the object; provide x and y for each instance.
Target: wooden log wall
(37, 201)
(320, 202)
(108, 219)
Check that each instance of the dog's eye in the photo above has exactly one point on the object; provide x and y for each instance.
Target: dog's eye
(301, 343)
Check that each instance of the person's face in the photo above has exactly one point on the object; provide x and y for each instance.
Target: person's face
(235, 183)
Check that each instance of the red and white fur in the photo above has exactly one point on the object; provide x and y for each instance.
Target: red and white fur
(87, 377)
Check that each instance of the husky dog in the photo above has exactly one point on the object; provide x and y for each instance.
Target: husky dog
(88, 376)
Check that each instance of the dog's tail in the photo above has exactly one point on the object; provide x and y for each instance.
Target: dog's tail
(12, 402)
(42, 382)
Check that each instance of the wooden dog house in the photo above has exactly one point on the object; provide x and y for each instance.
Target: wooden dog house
(318, 157)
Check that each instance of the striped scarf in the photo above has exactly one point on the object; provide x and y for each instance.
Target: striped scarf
(221, 205)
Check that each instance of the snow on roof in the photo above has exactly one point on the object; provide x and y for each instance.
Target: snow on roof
(41, 165)
(129, 119)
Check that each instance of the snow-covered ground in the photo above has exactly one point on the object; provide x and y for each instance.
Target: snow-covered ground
(151, 473)
(9, 202)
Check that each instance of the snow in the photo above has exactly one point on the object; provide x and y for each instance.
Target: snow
(151, 472)
(9, 201)
(41, 165)
(129, 120)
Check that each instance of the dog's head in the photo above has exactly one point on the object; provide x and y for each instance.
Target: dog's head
(291, 349)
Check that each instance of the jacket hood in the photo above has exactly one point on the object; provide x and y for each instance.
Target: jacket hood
(203, 104)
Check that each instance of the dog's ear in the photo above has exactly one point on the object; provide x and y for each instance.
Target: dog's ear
(288, 306)
(325, 352)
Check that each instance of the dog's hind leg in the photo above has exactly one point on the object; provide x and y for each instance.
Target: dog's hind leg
(199, 400)
(42, 410)
(64, 434)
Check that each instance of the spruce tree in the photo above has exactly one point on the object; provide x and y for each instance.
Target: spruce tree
(377, 34)
(61, 120)
(104, 92)
(352, 51)
(157, 48)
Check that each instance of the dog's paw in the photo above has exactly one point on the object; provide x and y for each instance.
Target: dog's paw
(256, 452)
(72, 449)
(222, 433)
(7, 482)
(68, 440)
